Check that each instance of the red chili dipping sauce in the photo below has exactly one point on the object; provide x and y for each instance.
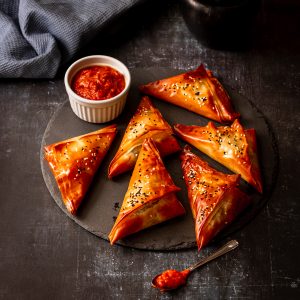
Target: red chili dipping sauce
(171, 279)
(98, 83)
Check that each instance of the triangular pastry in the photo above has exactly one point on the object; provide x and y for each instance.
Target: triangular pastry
(150, 198)
(232, 146)
(75, 161)
(147, 122)
(214, 198)
(197, 91)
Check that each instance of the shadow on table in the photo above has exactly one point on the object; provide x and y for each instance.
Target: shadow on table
(276, 28)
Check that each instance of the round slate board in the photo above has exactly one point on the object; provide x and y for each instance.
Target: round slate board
(104, 198)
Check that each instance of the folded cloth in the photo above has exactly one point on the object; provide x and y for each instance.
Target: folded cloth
(37, 36)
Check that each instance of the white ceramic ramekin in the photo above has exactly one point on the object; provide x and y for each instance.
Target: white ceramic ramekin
(97, 111)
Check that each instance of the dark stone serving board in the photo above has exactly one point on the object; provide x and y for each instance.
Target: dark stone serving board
(101, 204)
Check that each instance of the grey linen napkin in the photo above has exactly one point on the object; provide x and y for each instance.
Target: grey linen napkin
(37, 36)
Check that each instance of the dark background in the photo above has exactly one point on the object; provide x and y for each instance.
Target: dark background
(45, 255)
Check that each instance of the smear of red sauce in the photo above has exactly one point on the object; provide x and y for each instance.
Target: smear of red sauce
(98, 83)
(171, 279)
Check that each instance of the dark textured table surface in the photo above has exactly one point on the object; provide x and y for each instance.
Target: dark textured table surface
(45, 255)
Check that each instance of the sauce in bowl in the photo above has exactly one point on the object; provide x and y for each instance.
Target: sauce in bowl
(98, 83)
